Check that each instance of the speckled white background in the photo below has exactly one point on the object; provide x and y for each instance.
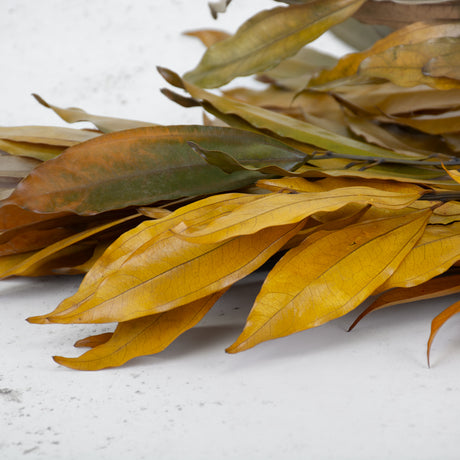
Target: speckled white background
(320, 394)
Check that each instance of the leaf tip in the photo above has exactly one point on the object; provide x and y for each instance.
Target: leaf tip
(40, 100)
(171, 77)
(38, 320)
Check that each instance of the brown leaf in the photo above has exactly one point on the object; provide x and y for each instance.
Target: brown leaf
(437, 323)
(431, 289)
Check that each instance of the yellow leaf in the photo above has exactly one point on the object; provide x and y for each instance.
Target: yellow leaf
(328, 275)
(141, 336)
(169, 272)
(122, 248)
(281, 208)
(436, 251)
(300, 184)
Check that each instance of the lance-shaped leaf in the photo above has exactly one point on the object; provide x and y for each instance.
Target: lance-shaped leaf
(141, 336)
(300, 184)
(327, 276)
(281, 208)
(267, 38)
(279, 124)
(144, 286)
(414, 33)
(111, 262)
(436, 251)
(431, 289)
(143, 166)
(438, 322)
(103, 123)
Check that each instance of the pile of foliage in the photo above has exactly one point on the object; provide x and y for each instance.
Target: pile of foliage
(331, 163)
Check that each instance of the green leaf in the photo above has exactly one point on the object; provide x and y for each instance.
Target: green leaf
(142, 166)
(268, 38)
(281, 125)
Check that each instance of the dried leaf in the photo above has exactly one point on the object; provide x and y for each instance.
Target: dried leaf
(437, 323)
(46, 135)
(139, 337)
(140, 167)
(93, 340)
(431, 289)
(32, 265)
(417, 32)
(39, 152)
(405, 64)
(111, 262)
(267, 38)
(397, 13)
(281, 125)
(307, 287)
(142, 286)
(104, 124)
(288, 209)
(436, 251)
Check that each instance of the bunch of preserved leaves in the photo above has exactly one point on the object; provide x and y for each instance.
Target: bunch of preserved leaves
(331, 162)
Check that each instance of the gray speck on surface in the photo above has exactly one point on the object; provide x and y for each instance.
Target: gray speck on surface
(10, 395)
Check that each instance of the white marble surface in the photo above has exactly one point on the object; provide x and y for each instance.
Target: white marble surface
(320, 394)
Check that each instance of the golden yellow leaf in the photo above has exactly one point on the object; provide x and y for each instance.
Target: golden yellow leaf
(300, 184)
(281, 208)
(141, 336)
(436, 251)
(168, 272)
(122, 248)
(328, 275)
